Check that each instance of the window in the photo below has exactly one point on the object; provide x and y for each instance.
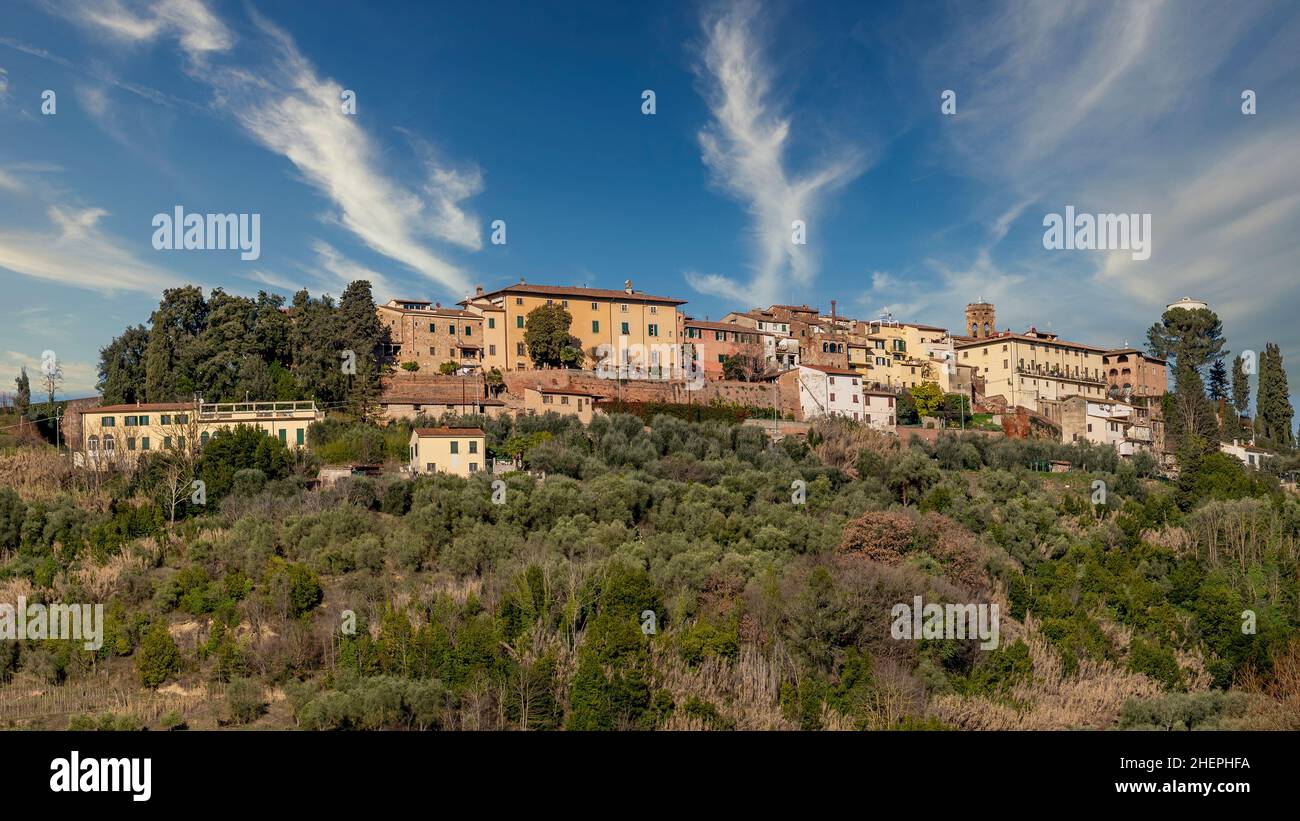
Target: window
(653, 309)
(492, 322)
(519, 349)
(564, 400)
(546, 399)
(284, 436)
(473, 467)
(431, 468)
(109, 422)
(92, 443)
(455, 446)
(595, 306)
(832, 397)
(653, 330)
(433, 351)
(144, 443)
(855, 399)
(433, 329)
(564, 303)
(469, 330)
(595, 326)
(519, 300)
(203, 438)
(182, 418)
(623, 308)
(129, 421)
(167, 441)
(451, 329)
(721, 358)
(473, 446)
(625, 330)
(519, 322)
(144, 420)
(108, 441)
(180, 442)
(492, 350)
(130, 443)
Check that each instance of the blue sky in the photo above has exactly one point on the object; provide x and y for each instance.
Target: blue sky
(531, 113)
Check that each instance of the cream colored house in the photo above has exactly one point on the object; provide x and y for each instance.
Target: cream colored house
(1025, 368)
(119, 434)
(565, 401)
(619, 320)
(459, 451)
(896, 354)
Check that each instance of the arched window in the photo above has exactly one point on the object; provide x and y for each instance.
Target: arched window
(92, 443)
(108, 442)
(203, 438)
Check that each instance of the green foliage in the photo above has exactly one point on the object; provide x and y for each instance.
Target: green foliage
(927, 398)
(230, 451)
(1273, 411)
(157, 658)
(245, 700)
(546, 333)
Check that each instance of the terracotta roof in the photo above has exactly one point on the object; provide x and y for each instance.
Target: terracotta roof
(597, 293)
(441, 311)
(970, 342)
(1146, 356)
(830, 370)
(423, 432)
(155, 406)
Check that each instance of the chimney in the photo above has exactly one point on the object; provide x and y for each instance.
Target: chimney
(521, 280)
(478, 291)
(627, 285)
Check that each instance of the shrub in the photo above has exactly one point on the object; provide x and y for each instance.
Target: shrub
(157, 659)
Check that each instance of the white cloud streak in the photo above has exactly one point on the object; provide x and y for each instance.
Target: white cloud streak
(745, 147)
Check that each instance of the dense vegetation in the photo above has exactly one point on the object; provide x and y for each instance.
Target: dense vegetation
(662, 576)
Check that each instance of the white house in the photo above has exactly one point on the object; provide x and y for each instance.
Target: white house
(879, 409)
(1251, 456)
(828, 391)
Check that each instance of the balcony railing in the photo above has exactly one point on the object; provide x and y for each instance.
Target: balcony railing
(232, 410)
(1057, 373)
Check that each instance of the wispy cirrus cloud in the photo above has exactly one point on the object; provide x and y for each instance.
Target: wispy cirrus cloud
(78, 252)
(290, 109)
(1126, 108)
(746, 147)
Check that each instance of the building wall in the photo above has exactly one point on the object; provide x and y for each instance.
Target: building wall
(880, 411)
(393, 411)
(823, 394)
(609, 316)
(434, 454)
(434, 336)
(148, 430)
(710, 345)
(567, 404)
(1020, 370)
(1145, 375)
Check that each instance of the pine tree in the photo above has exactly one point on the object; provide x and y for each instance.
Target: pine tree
(1218, 386)
(1273, 411)
(1187, 337)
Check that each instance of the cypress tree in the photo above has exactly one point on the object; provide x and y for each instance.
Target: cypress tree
(1273, 411)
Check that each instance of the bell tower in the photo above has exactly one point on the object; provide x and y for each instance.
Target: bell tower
(981, 321)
